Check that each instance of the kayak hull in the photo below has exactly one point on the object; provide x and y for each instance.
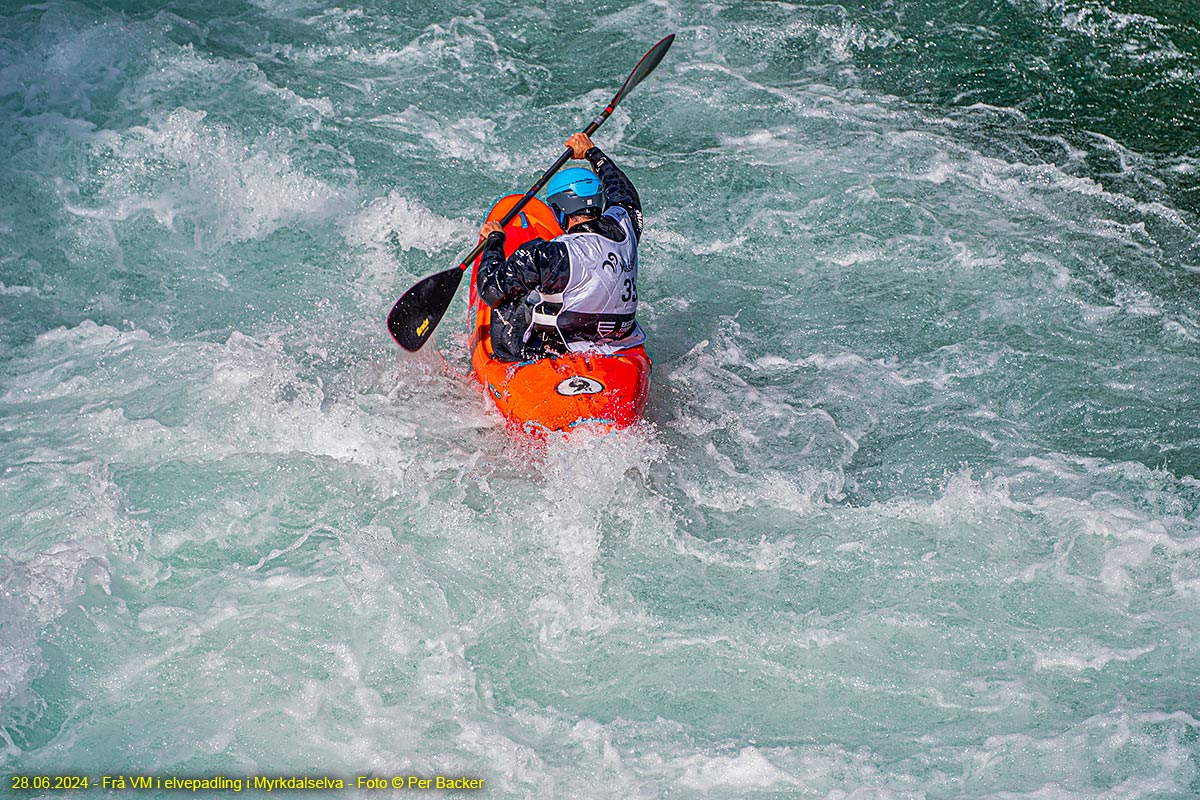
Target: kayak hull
(557, 393)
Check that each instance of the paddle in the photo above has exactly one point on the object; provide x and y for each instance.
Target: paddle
(420, 309)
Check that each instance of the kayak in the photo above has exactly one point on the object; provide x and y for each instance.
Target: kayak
(564, 392)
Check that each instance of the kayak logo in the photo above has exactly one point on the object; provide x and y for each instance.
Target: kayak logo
(577, 384)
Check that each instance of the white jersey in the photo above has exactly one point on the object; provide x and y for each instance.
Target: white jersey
(599, 301)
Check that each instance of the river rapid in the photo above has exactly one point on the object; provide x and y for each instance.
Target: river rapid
(914, 512)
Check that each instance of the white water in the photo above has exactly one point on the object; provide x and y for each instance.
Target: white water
(913, 514)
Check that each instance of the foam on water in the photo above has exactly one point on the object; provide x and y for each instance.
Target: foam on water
(392, 221)
(914, 512)
(200, 167)
(36, 593)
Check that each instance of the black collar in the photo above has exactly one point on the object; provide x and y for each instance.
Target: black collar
(602, 225)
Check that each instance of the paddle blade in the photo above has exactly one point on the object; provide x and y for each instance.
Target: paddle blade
(644, 67)
(420, 309)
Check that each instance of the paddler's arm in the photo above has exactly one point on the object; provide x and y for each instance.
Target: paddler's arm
(534, 265)
(618, 189)
(492, 280)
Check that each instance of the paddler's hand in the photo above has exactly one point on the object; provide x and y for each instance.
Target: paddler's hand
(579, 143)
(489, 228)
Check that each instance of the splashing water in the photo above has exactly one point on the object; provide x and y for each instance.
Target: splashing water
(915, 509)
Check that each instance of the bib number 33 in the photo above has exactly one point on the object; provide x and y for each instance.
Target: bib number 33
(630, 293)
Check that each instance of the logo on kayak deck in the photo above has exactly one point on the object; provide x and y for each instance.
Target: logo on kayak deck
(578, 384)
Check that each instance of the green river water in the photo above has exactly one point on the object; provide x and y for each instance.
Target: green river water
(915, 508)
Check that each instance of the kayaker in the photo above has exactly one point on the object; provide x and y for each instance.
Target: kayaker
(577, 291)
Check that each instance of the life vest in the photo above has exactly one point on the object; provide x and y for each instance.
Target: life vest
(596, 309)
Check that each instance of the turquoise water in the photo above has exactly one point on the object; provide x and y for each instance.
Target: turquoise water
(915, 511)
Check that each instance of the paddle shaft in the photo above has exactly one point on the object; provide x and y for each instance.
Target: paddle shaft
(537, 187)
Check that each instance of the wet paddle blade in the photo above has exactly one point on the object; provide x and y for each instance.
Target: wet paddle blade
(419, 310)
(644, 67)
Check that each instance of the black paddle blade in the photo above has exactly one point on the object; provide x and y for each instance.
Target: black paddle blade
(644, 67)
(420, 309)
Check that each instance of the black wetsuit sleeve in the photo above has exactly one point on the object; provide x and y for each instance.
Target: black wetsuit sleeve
(618, 189)
(537, 264)
(492, 279)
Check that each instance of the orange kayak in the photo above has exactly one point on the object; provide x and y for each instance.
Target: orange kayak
(561, 392)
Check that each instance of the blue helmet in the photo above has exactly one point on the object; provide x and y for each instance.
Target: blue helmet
(574, 190)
